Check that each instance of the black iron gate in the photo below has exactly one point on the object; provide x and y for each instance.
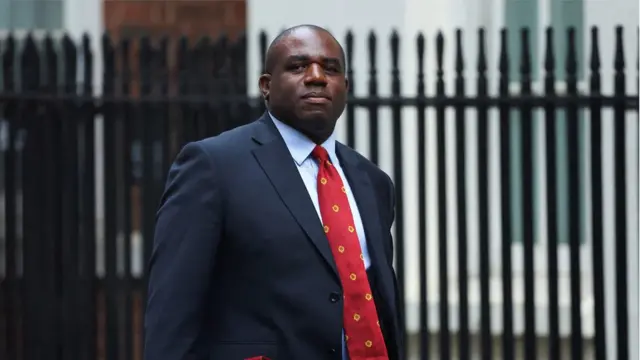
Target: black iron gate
(69, 285)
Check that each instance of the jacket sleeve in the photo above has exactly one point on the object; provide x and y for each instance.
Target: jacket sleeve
(187, 234)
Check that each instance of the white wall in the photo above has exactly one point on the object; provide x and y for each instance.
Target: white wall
(409, 17)
(85, 16)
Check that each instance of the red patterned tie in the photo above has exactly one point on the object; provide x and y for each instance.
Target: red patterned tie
(362, 329)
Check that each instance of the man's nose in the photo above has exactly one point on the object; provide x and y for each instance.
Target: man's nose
(315, 75)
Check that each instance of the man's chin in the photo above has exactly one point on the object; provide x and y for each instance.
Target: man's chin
(316, 125)
(315, 119)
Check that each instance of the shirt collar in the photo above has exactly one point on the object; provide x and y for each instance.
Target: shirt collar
(301, 146)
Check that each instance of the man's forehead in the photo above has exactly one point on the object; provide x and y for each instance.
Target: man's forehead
(309, 42)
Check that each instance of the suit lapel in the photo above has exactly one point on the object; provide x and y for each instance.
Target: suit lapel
(275, 159)
(365, 195)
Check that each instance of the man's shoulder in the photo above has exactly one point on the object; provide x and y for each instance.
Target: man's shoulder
(236, 138)
(230, 142)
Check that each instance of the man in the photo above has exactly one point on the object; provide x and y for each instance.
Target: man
(243, 267)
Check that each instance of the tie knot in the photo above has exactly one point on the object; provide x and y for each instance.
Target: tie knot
(320, 154)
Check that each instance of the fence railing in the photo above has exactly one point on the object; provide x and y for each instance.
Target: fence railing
(543, 176)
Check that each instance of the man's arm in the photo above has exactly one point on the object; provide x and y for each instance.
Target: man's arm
(187, 234)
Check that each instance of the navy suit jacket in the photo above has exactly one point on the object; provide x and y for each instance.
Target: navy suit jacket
(241, 266)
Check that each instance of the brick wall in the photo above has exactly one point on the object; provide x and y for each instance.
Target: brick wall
(172, 18)
(194, 18)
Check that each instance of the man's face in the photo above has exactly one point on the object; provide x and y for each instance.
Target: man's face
(307, 86)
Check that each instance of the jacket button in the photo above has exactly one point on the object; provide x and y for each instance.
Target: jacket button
(334, 297)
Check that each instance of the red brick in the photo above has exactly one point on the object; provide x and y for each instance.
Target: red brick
(194, 18)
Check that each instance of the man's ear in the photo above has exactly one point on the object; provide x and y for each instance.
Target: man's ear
(264, 83)
(346, 83)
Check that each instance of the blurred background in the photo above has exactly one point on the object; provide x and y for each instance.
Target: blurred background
(510, 128)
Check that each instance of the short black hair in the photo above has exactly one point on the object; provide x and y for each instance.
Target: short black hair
(269, 60)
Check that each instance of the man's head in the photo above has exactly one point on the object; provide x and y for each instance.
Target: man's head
(305, 84)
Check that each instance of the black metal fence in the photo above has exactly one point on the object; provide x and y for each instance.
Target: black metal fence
(74, 219)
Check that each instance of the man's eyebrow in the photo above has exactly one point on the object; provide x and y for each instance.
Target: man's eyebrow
(293, 58)
(331, 60)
